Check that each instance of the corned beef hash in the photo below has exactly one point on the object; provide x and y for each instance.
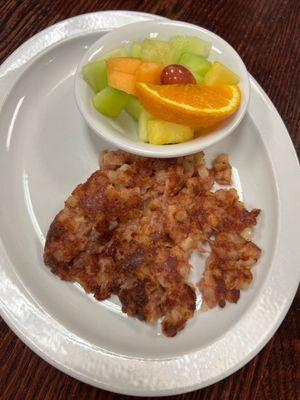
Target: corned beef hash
(130, 229)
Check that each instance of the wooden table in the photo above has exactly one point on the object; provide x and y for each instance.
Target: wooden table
(264, 32)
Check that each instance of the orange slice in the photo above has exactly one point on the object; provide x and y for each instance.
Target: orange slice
(191, 105)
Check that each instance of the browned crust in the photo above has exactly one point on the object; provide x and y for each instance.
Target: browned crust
(130, 228)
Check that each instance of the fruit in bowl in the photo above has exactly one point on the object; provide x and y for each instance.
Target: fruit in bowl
(171, 89)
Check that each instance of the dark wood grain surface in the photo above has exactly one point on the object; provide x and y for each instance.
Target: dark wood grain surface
(266, 34)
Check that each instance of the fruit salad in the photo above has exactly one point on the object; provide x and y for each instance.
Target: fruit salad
(171, 89)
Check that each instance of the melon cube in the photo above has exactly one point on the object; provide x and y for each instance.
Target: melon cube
(95, 75)
(136, 50)
(158, 51)
(121, 52)
(199, 78)
(123, 64)
(191, 44)
(122, 81)
(143, 125)
(110, 102)
(134, 107)
(149, 72)
(195, 63)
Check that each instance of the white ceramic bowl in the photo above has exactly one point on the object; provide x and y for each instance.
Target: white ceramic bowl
(122, 131)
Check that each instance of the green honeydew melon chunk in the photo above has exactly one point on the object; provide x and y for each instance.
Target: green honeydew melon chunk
(143, 125)
(95, 75)
(134, 107)
(159, 51)
(121, 52)
(110, 101)
(191, 44)
(136, 50)
(197, 64)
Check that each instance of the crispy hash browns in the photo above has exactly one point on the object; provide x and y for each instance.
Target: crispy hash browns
(130, 229)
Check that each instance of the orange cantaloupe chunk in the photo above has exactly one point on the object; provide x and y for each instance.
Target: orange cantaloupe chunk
(124, 64)
(149, 72)
(122, 81)
(124, 72)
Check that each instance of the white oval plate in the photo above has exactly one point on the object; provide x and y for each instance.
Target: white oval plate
(46, 150)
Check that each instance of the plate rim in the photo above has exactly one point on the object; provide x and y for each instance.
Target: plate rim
(8, 316)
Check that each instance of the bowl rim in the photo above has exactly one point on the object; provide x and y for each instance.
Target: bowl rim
(169, 150)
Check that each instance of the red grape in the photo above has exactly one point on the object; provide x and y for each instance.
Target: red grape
(176, 73)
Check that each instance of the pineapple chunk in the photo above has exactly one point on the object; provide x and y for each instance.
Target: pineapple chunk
(163, 132)
(219, 74)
